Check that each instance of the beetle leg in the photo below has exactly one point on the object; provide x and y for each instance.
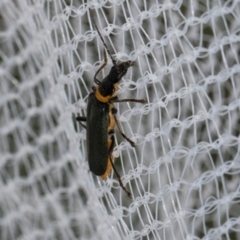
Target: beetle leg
(100, 69)
(129, 100)
(111, 143)
(114, 111)
(123, 135)
(80, 120)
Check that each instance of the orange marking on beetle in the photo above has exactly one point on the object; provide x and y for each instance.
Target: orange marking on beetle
(109, 165)
(111, 124)
(103, 99)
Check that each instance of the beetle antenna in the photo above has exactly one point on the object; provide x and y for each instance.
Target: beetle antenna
(100, 35)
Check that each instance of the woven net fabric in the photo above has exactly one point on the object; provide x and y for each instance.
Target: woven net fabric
(184, 173)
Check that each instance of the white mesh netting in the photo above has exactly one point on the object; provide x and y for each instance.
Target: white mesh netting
(184, 173)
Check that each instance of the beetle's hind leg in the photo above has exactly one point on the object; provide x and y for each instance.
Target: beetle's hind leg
(80, 120)
(110, 159)
(98, 82)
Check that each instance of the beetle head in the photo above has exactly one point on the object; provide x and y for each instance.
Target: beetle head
(116, 73)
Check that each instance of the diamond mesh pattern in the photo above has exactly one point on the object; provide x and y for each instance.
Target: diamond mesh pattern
(183, 173)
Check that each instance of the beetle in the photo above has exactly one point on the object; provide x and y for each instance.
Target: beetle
(101, 117)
